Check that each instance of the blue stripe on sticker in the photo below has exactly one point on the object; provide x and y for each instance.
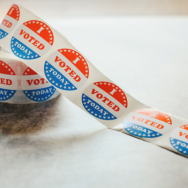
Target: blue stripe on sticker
(40, 95)
(179, 145)
(140, 131)
(3, 33)
(96, 109)
(21, 50)
(6, 94)
(56, 78)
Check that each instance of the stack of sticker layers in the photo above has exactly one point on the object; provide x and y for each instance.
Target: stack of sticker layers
(19, 84)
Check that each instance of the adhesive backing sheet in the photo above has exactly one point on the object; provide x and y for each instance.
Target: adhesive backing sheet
(49, 54)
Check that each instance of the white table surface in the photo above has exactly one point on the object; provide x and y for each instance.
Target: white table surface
(55, 144)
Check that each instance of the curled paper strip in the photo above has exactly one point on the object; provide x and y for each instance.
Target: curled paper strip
(19, 84)
(51, 55)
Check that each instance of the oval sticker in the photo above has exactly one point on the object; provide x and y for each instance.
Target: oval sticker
(9, 21)
(147, 123)
(35, 87)
(66, 69)
(104, 100)
(32, 40)
(8, 82)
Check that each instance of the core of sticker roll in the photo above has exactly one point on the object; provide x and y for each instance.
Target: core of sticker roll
(8, 82)
(66, 69)
(147, 123)
(35, 87)
(179, 139)
(104, 100)
(31, 40)
(9, 21)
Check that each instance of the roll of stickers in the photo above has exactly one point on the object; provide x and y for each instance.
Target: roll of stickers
(51, 56)
(19, 84)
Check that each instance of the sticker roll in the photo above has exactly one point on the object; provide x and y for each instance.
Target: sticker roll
(19, 84)
(49, 54)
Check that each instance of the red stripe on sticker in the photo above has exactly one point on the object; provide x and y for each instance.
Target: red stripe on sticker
(155, 114)
(29, 71)
(184, 127)
(14, 12)
(41, 29)
(77, 60)
(114, 91)
(6, 69)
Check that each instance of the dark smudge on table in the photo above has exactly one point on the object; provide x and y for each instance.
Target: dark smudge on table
(26, 118)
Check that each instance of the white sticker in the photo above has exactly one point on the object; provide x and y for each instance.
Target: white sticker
(147, 123)
(32, 40)
(104, 100)
(66, 69)
(179, 139)
(35, 87)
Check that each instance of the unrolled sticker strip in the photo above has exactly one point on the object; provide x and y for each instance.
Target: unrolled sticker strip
(51, 56)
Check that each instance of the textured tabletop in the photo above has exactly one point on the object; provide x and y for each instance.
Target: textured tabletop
(55, 144)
